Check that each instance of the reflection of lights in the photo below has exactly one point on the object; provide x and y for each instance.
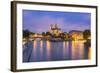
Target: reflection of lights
(81, 49)
(64, 44)
(89, 53)
(48, 44)
(35, 44)
(41, 44)
(74, 50)
(64, 49)
(34, 49)
(77, 49)
(41, 47)
(48, 48)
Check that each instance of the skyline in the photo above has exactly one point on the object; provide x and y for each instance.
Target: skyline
(39, 21)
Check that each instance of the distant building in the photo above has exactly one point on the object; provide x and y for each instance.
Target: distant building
(76, 35)
(55, 30)
(66, 35)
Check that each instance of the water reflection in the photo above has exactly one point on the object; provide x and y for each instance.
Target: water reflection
(87, 49)
(67, 50)
(41, 48)
(77, 50)
(48, 49)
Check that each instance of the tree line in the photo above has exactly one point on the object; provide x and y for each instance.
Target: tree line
(26, 33)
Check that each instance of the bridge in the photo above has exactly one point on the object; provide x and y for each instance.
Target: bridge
(38, 36)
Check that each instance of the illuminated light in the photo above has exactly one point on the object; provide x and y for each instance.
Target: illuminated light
(89, 53)
(89, 37)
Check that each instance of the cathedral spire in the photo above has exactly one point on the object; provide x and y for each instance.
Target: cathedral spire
(56, 26)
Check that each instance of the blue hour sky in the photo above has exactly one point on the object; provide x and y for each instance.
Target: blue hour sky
(39, 21)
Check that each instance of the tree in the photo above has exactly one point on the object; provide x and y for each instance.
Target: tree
(86, 34)
(31, 33)
(26, 33)
(43, 33)
(48, 33)
(62, 36)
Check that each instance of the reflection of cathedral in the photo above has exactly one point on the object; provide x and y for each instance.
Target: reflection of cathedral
(55, 30)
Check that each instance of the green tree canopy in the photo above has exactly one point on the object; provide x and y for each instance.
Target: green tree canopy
(86, 34)
(43, 33)
(26, 33)
(48, 33)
